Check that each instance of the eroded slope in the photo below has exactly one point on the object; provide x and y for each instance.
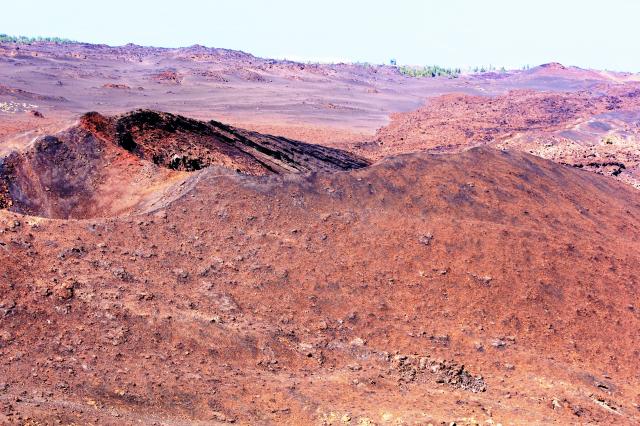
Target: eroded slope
(334, 297)
(597, 131)
(107, 166)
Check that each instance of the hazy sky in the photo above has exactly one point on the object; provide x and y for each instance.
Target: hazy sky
(601, 34)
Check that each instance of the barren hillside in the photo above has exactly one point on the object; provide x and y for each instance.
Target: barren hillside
(231, 239)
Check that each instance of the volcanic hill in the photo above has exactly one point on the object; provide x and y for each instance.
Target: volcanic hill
(375, 295)
(106, 166)
(164, 270)
(597, 131)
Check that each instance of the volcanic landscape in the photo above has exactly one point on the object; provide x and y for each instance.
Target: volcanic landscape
(201, 236)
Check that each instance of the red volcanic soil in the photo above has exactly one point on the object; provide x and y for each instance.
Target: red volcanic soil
(105, 166)
(472, 287)
(597, 131)
(167, 268)
(235, 86)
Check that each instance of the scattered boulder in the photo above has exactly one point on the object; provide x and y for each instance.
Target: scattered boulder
(122, 274)
(426, 239)
(498, 343)
(181, 275)
(7, 307)
(65, 291)
(447, 372)
(358, 341)
(5, 337)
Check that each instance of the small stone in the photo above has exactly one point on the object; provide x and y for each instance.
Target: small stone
(5, 336)
(181, 275)
(426, 239)
(222, 418)
(65, 291)
(121, 273)
(498, 343)
(358, 341)
(161, 214)
(400, 358)
(422, 364)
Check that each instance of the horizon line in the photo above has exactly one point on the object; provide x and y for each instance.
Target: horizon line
(28, 40)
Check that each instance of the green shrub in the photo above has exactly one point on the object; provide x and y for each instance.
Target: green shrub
(429, 71)
(438, 71)
(4, 38)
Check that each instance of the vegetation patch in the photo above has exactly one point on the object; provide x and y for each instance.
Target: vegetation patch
(4, 38)
(438, 71)
(429, 71)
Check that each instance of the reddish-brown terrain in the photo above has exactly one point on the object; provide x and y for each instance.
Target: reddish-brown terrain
(598, 131)
(107, 166)
(271, 250)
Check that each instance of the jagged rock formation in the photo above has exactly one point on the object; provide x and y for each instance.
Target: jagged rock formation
(114, 165)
